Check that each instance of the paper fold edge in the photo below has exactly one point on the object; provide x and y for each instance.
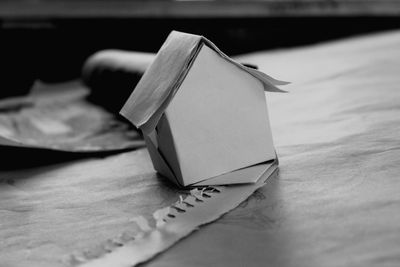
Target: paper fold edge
(144, 112)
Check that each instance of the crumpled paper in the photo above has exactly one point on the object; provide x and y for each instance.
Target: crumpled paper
(59, 118)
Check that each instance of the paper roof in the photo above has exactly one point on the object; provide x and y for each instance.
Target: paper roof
(164, 76)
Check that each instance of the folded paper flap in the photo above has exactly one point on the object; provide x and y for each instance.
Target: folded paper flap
(162, 79)
(158, 81)
(246, 175)
(159, 163)
(268, 82)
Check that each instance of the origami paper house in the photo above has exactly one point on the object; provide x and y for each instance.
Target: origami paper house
(203, 116)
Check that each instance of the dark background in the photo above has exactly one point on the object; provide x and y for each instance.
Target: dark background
(50, 40)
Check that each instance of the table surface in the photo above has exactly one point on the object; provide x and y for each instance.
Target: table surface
(336, 201)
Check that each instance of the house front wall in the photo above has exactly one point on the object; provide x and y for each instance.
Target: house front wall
(218, 119)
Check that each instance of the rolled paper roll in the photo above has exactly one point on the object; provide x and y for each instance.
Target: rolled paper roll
(113, 74)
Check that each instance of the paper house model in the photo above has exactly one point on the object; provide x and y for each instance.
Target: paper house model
(203, 116)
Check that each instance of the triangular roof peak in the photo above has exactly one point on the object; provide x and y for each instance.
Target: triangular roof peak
(162, 79)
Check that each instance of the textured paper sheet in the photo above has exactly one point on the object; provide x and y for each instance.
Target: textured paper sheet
(201, 206)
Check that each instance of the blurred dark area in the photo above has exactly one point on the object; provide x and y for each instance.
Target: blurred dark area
(26, 158)
(50, 40)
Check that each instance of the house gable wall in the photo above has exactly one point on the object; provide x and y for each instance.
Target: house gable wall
(219, 119)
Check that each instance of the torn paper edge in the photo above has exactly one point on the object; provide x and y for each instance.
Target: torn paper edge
(199, 207)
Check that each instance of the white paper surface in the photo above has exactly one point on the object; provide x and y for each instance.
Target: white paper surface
(218, 119)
